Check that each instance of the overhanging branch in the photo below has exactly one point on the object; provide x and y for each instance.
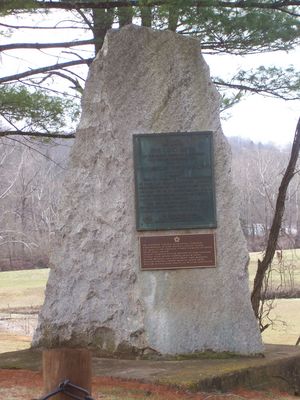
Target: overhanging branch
(54, 27)
(256, 90)
(38, 134)
(271, 5)
(43, 70)
(39, 46)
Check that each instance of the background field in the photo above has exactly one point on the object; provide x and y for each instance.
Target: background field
(286, 317)
(22, 289)
(285, 274)
(285, 277)
(22, 294)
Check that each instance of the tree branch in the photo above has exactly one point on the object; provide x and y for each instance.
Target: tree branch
(40, 27)
(265, 263)
(36, 150)
(44, 88)
(256, 90)
(13, 181)
(75, 82)
(39, 46)
(272, 5)
(86, 20)
(38, 134)
(42, 70)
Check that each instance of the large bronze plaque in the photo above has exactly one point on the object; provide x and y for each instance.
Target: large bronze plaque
(178, 251)
(174, 181)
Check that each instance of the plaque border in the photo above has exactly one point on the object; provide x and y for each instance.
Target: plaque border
(135, 162)
(178, 268)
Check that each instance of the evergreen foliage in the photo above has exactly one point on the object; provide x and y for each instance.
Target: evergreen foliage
(16, 6)
(269, 81)
(222, 27)
(35, 109)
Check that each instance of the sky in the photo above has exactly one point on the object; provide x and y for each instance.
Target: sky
(258, 118)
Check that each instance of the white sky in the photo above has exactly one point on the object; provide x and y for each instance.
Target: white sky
(257, 118)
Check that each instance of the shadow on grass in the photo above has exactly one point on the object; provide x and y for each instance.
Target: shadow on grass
(23, 359)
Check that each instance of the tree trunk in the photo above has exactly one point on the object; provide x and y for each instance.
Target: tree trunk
(265, 263)
(297, 238)
(102, 22)
(146, 15)
(173, 18)
(125, 16)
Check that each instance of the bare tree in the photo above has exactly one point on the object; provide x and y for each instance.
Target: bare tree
(265, 263)
(28, 202)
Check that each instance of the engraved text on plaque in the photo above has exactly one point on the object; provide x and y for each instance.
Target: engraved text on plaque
(178, 251)
(174, 181)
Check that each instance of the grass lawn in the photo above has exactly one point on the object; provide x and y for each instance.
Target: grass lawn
(286, 330)
(12, 342)
(22, 289)
(285, 273)
(285, 312)
(25, 289)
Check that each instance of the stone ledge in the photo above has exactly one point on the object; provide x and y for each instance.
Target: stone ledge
(278, 369)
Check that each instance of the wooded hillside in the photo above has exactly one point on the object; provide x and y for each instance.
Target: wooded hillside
(31, 183)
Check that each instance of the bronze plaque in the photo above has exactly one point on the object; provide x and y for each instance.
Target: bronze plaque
(174, 181)
(178, 251)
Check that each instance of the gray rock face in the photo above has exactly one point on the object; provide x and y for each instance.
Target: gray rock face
(142, 81)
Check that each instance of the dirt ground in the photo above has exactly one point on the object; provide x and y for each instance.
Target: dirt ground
(28, 385)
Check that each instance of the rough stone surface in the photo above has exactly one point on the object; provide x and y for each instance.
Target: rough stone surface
(142, 81)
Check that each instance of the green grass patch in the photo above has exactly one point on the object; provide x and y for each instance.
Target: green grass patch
(32, 278)
(24, 359)
(199, 355)
(21, 289)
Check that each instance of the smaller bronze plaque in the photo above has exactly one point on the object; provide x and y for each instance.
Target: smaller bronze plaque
(178, 251)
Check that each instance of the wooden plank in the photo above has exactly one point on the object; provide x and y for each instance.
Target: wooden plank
(70, 364)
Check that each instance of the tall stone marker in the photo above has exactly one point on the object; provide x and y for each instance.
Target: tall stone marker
(149, 252)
